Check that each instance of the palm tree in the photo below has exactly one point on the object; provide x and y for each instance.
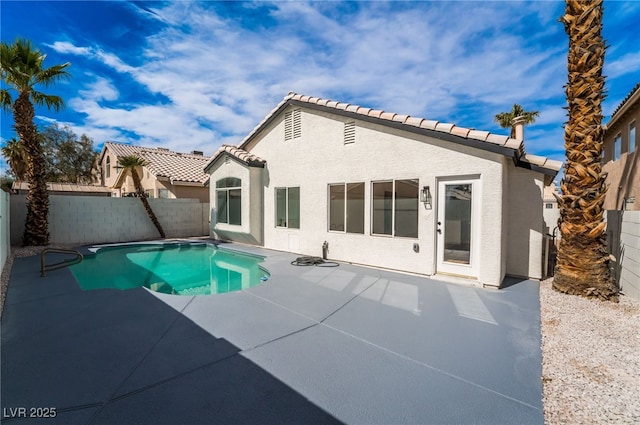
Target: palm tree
(16, 158)
(582, 266)
(505, 119)
(131, 163)
(22, 70)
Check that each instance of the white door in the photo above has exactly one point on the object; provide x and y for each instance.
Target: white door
(458, 227)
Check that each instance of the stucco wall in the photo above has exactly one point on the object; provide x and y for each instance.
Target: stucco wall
(84, 220)
(524, 223)
(623, 181)
(319, 157)
(249, 231)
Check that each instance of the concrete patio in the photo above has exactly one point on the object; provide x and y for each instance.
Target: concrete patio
(311, 345)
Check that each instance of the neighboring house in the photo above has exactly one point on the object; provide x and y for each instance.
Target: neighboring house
(383, 189)
(620, 159)
(22, 188)
(550, 209)
(168, 174)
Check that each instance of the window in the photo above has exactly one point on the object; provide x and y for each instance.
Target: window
(548, 206)
(228, 201)
(395, 208)
(163, 193)
(288, 207)
(346, 206)
(108, 167)
(632, 137)
(292, 124)
(617, 147)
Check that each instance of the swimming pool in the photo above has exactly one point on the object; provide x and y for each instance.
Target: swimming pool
(180, 269)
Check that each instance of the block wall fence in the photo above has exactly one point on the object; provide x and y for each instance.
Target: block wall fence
(89, 219)
(5, 243)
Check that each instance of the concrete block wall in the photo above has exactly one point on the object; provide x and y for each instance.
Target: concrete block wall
(85, 220)
(630, 254)
(5, 229)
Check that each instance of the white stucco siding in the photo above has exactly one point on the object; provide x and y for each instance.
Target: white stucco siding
(319, 157)
(248, 231)
(524, 223)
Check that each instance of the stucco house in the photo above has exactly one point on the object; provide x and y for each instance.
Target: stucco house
(383, 189)
(621, 158)
(168, 174)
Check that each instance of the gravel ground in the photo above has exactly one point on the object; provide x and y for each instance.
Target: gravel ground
(590, 355)
(590, 359)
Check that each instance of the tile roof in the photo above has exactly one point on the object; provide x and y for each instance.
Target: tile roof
(451, 132)
(240, 154)
(65, 187)
(176, 166)
(635, 92)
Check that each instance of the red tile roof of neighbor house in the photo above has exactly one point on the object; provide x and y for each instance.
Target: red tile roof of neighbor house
(65, 187)
(176, 166)
(476, 138)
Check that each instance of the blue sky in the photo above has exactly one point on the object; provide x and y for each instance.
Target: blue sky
(193, 75)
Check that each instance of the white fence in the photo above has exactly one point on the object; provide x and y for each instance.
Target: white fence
(91, 219)
(5, 244)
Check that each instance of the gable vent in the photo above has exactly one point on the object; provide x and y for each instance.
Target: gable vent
(292, 124)
(349, 132)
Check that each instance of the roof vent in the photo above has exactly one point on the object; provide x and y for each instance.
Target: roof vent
(163, 149)
(199, 153)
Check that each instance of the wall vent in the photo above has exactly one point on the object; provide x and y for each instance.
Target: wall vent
(349, 132)
(292, 124)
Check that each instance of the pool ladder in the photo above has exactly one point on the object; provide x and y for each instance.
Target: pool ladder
(48, 267)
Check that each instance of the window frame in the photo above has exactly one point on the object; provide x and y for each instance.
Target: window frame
(393, 233)
(108, 168)
(633, 130)
(287, 207)
(228, 204)
(617, 147)
(345, 208)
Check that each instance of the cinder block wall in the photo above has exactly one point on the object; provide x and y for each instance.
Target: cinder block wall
(630, 254)
(85, 220)
(5, 244)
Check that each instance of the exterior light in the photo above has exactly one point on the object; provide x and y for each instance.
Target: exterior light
(425, 197)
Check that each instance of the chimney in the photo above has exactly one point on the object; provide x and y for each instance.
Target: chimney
(518, 127)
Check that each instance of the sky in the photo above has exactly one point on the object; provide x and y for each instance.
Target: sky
(192, 75)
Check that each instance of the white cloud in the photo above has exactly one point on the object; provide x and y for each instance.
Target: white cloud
(66, 47)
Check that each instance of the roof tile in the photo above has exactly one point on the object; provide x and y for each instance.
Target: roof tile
(429, 124)
(478, 135)
(460, 131)
(497, 139)
(444, 127)
(163, 162)
(414, 121)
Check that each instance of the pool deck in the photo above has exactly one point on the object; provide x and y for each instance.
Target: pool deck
(321, 345)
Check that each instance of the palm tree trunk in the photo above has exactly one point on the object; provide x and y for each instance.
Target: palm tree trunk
(36, 230)
(145, 202)
(582, 266)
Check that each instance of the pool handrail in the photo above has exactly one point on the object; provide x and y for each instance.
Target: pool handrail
(44, 267)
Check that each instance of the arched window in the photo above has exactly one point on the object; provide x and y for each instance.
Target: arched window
(228, 201)
(108, 167)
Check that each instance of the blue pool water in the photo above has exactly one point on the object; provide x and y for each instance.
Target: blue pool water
(181, 269)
